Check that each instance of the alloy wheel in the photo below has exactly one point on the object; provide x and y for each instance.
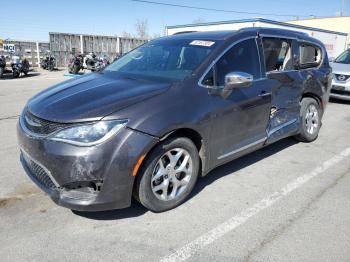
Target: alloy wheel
(172, 174)
(311, 119)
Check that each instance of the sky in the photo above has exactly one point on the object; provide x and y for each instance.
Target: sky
(34, 19)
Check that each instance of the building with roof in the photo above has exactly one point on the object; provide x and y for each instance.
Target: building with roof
(335, 42)
(335, 23)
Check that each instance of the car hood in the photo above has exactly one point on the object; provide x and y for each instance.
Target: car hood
(339, 68)
(91, 97)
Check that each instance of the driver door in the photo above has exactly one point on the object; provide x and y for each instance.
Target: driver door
(240, 115)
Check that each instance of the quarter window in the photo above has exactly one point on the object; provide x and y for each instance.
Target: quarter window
(310, 55)
(208, 80)
(277, 54)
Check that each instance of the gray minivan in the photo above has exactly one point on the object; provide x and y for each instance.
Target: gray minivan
(170, 111)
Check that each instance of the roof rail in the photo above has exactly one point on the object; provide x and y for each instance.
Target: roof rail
(184, 32)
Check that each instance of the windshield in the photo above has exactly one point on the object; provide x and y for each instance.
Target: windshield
(343, 58)
(170, 59)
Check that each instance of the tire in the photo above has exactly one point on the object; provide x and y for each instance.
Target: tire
(2, 71)
(145, 187)
(76, 69)
(15, 74)
(310, 115)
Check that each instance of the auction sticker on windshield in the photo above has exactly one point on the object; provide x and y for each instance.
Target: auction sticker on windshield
(202, 43)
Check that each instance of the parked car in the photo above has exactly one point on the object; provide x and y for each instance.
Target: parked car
(341, 76)
(172, 110)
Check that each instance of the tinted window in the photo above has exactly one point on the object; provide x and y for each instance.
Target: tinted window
(310, 55)
(277, 54)
(242, 57)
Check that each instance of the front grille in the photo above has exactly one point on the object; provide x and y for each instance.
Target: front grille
(38, 172)
(342, 78)
(40, 126)
(340, 92)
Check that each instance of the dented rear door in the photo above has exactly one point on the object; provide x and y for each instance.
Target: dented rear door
(286, 88)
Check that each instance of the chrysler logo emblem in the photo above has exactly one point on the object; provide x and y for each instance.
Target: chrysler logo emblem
(31, 122)
(341, 77)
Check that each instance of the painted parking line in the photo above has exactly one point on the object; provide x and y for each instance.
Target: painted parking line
(216, 233)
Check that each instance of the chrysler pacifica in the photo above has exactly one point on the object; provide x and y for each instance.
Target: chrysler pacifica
(170, 111)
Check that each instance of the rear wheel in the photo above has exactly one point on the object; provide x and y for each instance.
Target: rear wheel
(310, 115)
(168, 175)
(1, 71)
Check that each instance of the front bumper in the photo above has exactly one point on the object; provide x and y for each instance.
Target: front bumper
(92, 178)
(340, 89)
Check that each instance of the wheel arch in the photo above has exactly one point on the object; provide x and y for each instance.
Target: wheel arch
(189, 133)
(195, 137)
(314, 96)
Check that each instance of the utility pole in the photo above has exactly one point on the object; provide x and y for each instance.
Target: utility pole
(342, 8)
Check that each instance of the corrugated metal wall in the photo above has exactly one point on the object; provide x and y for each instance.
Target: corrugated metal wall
(63, 44)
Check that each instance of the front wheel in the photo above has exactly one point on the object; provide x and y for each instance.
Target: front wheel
(310, 115)
(168, 175)
(15, 73)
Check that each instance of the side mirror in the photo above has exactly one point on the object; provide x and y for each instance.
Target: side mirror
(237, 80)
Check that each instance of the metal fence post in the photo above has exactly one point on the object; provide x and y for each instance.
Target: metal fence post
(118, 46)
(38, 53)
(81, 45)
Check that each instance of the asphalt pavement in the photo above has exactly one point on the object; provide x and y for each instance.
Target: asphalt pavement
(287, 202)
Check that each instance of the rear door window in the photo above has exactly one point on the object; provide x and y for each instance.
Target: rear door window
(278, 54)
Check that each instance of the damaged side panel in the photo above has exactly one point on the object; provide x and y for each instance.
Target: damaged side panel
(287, 91)
(285, 109)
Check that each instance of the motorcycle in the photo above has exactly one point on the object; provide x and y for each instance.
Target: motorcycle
(19, 66)
(49, 62)
(91, 61)
(101, 63)
(2, 65)
(75, 63)
(94, 63)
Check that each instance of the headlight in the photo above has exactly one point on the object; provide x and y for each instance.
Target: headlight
(89, 134)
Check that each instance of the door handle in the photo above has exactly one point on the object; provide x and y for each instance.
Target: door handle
(264, 93)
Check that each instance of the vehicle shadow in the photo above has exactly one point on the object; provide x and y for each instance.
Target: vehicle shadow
(8, 76)
(241, 163)
(137, 209)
